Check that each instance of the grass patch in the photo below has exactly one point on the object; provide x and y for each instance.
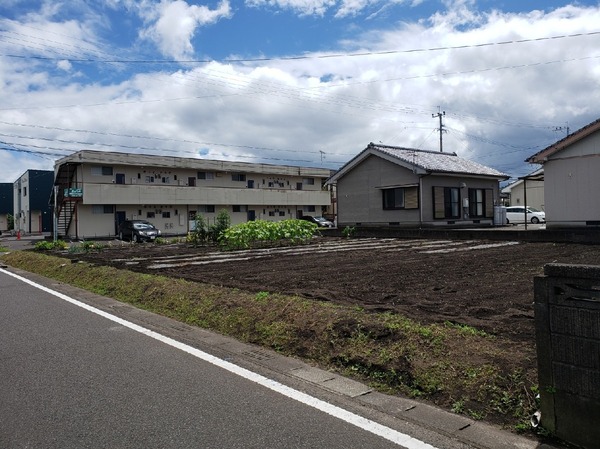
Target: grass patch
(454, 366)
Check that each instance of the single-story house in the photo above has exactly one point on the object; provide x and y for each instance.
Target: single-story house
(571, 182)
(528, 188)
(393, 186)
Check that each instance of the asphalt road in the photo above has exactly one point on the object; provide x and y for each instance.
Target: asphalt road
(71, 378)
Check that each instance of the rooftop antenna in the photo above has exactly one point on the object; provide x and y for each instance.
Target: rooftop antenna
(440, 115)
(563, 128)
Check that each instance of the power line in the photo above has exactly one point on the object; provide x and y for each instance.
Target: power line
(303, 57)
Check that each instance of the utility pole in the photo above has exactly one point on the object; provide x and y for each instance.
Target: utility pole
(563, 128)
(440, 114)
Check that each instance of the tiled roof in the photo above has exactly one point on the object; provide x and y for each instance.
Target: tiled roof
(437, 162)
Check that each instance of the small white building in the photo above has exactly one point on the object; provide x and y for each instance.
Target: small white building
(529, 188)
(571, 182)
(96, 191)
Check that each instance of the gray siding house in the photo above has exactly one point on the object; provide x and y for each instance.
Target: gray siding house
(393, 186)
(571, 181)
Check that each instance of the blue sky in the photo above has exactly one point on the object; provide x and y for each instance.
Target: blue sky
(294, 82)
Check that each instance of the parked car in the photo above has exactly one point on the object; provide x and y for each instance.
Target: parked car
(516, 214)
(320, 221)
(138, 231)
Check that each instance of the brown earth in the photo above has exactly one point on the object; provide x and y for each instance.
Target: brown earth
(486, 287)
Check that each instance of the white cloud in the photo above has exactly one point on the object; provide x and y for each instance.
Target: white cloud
(173, 24)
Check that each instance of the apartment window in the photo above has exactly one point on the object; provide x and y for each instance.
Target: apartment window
(446, 202)
(238, 177)
(166, 179)
(309, 181)
(24, 191)
(481, 203)
(101, 170)
(239, 208)
(102, 209)
(150, 215)
(207, 208)
(309, 209)
(205, 175)
(166, 214)
(149, 179)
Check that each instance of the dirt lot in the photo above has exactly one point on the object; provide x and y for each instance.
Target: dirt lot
(487, 285)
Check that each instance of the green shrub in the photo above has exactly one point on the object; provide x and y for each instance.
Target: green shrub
(46, 245)
(259, 231)
(348, 231)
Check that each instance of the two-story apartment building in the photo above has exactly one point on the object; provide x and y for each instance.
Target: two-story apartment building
(96, 191)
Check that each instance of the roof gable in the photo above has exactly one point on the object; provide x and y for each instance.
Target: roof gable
(421, 162)
(542, 156)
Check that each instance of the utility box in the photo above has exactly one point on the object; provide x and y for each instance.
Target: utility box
(567, 322)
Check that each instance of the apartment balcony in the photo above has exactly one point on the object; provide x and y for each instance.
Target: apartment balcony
(140, 194)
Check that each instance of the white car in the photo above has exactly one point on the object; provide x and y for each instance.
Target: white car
(516, 214)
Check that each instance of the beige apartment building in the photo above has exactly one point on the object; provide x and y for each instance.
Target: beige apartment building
(95, 191)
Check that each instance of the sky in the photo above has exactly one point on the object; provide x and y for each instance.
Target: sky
(294, 82)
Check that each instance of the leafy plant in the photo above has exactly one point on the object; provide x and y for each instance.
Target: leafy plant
(348, 231)
(260, 231)
(199, 235)
(222, 223)
(46, 245)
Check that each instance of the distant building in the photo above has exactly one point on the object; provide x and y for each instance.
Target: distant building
(394, 186)
(516, 191)
(98, 190)
(31, 195)
(571, 182)
(6, 204)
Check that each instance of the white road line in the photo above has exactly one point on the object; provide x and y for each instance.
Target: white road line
(363, 423)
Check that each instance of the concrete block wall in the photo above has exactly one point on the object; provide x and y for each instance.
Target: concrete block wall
(567, 319)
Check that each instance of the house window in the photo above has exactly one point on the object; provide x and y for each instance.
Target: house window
(149, 178)
(309, 209)
(400, 198)
(166, 180)
(206, 175)
(309, 181)
(101, 171)
(238, 177)
(239, 208)
(166, 214)
(446, 202)
(150, 215)
(102, 209)
(481, 203)
(393, 198)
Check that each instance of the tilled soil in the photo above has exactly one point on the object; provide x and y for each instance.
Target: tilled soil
(487, 285)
